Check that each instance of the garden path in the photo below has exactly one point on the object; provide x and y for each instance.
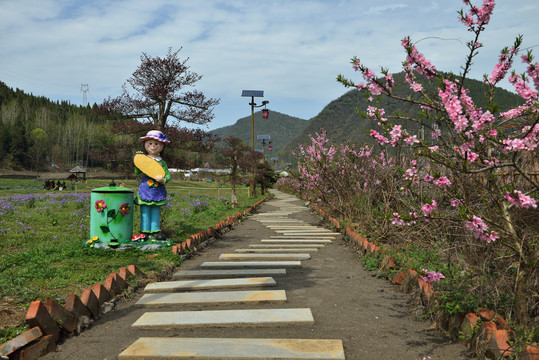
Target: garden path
(326, 299)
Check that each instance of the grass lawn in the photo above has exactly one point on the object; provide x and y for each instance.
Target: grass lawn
(42, 232)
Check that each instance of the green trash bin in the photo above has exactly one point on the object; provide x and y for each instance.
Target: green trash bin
(111, 215)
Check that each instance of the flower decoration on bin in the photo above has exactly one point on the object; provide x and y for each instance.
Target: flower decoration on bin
(100, 205)
(124, 209)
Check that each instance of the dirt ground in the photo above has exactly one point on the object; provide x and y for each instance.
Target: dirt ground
(371, 317)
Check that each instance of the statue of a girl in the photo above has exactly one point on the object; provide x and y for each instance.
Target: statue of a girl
(152, 193)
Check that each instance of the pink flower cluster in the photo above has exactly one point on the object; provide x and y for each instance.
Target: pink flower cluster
(501, 68)
(529, 142)
(432, 276)
(418, 62)
(332, 172)
(520, 200)
(478, 16)
(397, 220)
(480, 229)
(429, 208)
(442, 182)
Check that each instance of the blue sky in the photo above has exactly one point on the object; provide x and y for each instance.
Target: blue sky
(291, 49)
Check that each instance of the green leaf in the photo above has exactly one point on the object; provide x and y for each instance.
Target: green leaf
(111, 213)
(105, 229)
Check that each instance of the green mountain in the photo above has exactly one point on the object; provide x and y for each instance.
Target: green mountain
(280, 127)
(343, 123)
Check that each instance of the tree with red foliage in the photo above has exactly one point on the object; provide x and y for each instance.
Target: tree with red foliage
(161, 91)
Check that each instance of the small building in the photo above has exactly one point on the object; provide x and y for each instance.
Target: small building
(76, 173)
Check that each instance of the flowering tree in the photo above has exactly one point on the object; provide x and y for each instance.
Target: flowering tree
(481, 163)
(336, 176)
(161, 90)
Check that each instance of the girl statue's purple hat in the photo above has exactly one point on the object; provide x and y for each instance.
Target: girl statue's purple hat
(155, 135)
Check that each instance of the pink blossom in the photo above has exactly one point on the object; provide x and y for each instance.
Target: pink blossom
(396, 219)
(410, 174)
(432, 276)
(433, 148)
(396, 134)
(428, 178)
(442, 182)
(500, 69)
(523, 89)
(411, 140)
(521, 200)
(375, 88)
(428, 208)
(513, 113)
(455, 202)
(381, 139)
(416, 87)
(472, 156)
(480, 229)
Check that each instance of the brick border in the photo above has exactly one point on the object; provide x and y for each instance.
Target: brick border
(484, 332)
(50, 322)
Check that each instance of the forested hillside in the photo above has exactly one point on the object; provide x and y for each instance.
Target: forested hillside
(281, 127)
(343, 121)
(36, 133)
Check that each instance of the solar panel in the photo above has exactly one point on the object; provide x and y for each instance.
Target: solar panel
(255, 93)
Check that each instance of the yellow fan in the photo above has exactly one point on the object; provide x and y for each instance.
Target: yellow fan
(148, 166)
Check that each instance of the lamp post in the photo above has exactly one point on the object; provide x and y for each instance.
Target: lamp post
(265, 112)
(264, 138)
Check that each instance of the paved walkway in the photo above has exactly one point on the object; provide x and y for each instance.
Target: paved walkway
(279, 286)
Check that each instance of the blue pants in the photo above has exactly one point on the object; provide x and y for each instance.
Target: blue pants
(150, 219)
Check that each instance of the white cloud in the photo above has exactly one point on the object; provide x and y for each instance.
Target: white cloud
(291, 49)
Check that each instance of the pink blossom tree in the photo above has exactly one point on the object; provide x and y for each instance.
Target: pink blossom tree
(481, 163)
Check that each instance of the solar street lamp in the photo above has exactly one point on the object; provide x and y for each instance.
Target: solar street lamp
(252, 94)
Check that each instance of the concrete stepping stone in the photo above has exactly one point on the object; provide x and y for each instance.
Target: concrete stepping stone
(250, 264)
(168, 286)
(296, 241)
(275, 213)
(227, 273)
(293, 227)
(294, 237)
(284, 246)
(226, 348)
(306, 232)
(277, 250)
(278, 221)
(277, 257)
(246, 317)
(211, 298)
